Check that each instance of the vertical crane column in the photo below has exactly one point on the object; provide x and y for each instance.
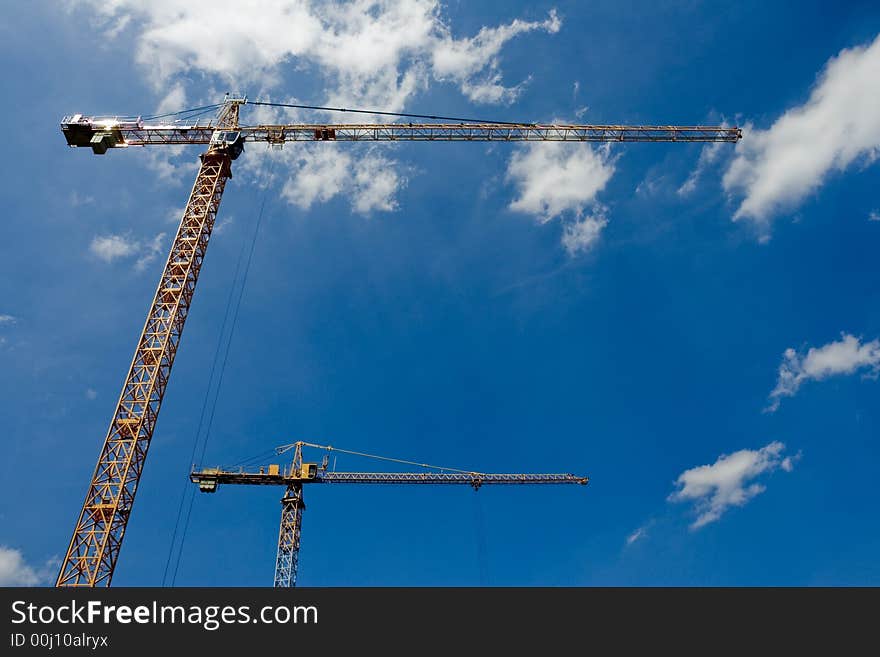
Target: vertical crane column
(287, 561)
(97, 538)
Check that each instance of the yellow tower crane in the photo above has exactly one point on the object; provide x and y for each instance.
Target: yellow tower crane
(300, 472)
(100, 528)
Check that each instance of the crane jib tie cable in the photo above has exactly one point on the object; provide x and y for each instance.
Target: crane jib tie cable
(383, 113)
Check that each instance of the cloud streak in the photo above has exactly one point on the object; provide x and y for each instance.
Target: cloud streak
(845, 356)
(110, 248)
(715, 488)
(637, 535)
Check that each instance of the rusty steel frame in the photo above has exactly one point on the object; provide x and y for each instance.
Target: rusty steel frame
(97, 538)
(213, 476)
(134, 133)
(287, 559)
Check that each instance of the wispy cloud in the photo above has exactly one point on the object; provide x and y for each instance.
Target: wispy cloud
(713, 489)
(708, 156)
(110, 248)
(368, 50)
(370, 53)
(580, 235)
(557, 179)
(473, 62)
(174, 215)
(15, 571)
(149, 251)
(222, 224)
(5, 321)
(637, 535)
(845, 356)
(775, 169)
(370, 180)
(77, 199)
(874, 215)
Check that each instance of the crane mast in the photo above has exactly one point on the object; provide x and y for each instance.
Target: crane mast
(300, 473)
(100, 528)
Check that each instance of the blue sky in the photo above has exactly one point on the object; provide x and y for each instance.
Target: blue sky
(696, 330)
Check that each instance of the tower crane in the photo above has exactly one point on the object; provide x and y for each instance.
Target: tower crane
(300, 473)
(100, 527)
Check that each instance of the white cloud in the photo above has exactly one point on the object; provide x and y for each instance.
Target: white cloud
(708, 155)
(371, 51)
(715, 488)
(110, 248)
(174, 100)
(845, 356)
(221, 225)
(839, 124)
(553, 179)
(173, 164)
(473, 63)
(6, 320)
(149, 251)
(91, 394)
(15, 571)
(637, 535)
(579, 235)
(77, 200)
(376, 183)
(874, 215)
(174, 215)
(370, 181)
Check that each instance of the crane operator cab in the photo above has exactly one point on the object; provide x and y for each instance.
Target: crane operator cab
(308, 471)
(231, 141)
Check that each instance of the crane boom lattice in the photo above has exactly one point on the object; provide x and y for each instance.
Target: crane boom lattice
(120, 132)
(97, 537)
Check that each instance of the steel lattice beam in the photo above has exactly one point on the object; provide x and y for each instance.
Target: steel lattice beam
(98, 535)
(287, 560)
(214, 477)
(80, 131)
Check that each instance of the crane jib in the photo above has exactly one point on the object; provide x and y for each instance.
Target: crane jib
(101, 134)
